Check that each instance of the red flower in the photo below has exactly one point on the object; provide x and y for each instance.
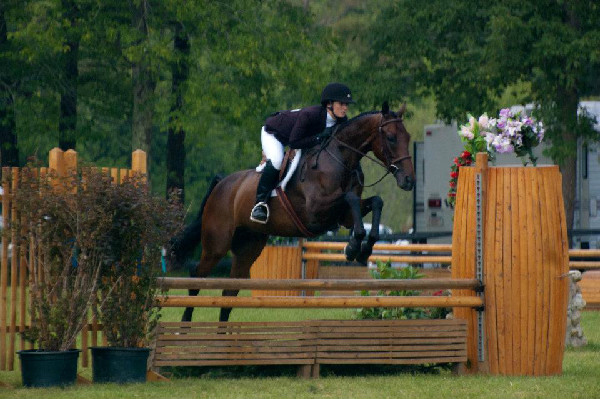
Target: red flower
(454, 175)
(456, 162)
(451, 194)
(452, 184)
(466, 155)
(438, 293)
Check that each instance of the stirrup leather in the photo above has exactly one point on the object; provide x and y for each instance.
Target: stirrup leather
(260, 205)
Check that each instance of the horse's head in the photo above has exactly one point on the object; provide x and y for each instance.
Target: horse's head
(390, 145)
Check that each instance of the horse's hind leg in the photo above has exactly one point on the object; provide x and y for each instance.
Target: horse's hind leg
(208, 260)
(246, 247)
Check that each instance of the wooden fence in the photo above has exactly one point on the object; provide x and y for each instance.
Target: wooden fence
(14, 284)
(326, 260)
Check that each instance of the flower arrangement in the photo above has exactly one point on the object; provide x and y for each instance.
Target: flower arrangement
(510, 132)
(464, 159)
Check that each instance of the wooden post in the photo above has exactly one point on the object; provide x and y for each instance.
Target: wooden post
(56, 161)
(139, 162)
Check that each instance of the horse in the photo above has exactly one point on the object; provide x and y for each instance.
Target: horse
(325, 192)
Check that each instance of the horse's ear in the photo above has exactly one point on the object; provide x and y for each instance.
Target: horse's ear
(402, 109)
(385, 108)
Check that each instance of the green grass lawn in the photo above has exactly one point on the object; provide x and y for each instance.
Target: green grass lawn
(580, 378)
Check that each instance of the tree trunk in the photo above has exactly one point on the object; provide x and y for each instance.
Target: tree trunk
(9, 153)
(568, 101)
(176, 136)
(67, 121)
(143, 87)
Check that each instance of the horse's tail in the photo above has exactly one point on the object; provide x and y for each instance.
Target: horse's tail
(185, 242)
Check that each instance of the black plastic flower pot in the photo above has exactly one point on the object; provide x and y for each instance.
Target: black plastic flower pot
(119, 365)
(41, 368)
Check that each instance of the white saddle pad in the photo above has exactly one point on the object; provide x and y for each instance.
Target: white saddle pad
(288, 175)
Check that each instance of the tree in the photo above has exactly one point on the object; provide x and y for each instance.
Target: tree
(9, 154)
(67, 121)
(466, 56)
(176, 135)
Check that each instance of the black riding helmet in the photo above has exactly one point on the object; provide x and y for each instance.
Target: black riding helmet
(336, 92)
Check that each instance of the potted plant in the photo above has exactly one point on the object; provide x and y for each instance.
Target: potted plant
(65, 222)
(141, 226)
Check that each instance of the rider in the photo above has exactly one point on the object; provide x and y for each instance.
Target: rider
(299, 128)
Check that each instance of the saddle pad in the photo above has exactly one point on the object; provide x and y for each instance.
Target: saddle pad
(293, 165)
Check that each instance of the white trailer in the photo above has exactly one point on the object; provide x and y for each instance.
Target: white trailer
(433, 158)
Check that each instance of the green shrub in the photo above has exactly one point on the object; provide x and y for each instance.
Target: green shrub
(386, 271)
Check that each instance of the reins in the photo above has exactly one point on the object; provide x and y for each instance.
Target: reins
(390, 168)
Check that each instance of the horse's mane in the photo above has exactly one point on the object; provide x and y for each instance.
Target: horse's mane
(343, 125)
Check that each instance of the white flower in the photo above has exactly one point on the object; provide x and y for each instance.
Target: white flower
(466, 132)
(483, 122)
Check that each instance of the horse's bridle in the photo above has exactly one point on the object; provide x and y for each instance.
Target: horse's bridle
(390, 167)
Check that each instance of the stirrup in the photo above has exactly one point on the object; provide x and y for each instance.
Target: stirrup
(256, 207)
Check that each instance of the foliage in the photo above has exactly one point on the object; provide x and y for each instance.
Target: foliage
(66, 222)
(466, 56)
(386, 271)
(141, 226)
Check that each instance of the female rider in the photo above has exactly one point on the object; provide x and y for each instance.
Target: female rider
(299, 128)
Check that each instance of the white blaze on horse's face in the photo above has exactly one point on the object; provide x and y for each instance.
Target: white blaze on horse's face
(395, 149)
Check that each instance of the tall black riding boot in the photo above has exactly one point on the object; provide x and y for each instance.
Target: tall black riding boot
(266, 184)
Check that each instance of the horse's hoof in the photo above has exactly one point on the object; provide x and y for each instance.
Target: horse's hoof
(365, 252)
(350, 251)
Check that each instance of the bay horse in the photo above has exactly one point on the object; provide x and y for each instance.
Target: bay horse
(325, 192)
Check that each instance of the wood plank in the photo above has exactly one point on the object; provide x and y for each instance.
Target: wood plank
(250, 362)
(537, 276)
(228, 356)
(558, 277)
(388, 355)
(497, 268)
(490, 328)
(543, 276)
(318, 284)
(530, 270)
(202, 349)
(319, 245)
(390, 348)
(516, 238)
(394, 361)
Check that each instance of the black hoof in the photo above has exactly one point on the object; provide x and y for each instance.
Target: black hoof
(351, 251)
(365, 251)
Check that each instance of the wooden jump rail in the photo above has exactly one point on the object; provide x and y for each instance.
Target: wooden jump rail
(317, 284)
(310, 343)
(319, 302)
(313, 252)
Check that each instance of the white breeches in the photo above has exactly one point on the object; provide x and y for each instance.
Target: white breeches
(272, 148)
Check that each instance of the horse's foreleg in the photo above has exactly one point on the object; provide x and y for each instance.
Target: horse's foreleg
(375, 205)
(358, 230)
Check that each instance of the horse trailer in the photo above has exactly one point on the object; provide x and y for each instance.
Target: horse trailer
(433, 157)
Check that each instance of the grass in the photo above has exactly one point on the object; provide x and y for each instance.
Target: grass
(580, 378)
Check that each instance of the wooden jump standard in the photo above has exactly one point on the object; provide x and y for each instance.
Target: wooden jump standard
(311, 343)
